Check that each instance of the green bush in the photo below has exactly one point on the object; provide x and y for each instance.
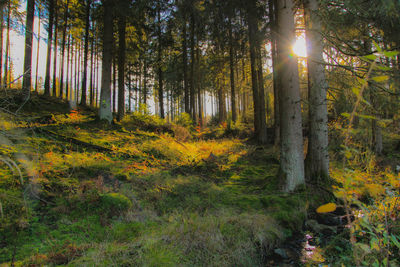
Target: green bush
(114, 204)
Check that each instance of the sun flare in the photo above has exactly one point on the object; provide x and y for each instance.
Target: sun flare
(300, 47)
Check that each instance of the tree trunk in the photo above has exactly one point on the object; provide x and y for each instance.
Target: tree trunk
(7, 45)
(105, 97)
(1, 37)
(37, 53)
(68, 58)
(91, 93)
(160, 71)
(192, 86)
(184, 67)
(48, 57)
(273, 16)
(317, 160)
(55, 49)
(292, 158)
(253, 65)
(64, 37)
(86, 52)
(121, 66)
(26, 83)
(262, 138)
(114, 82)
(232, 72)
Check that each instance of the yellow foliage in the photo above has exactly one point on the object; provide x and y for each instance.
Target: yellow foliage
(326, 208)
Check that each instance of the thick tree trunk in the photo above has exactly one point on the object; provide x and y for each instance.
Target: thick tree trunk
(55, 49)
(292, 158)
(86, 53)
(49, 40)
(27, 81)
(121, 66)
(145, 81)
(105, 97)
(317, 160)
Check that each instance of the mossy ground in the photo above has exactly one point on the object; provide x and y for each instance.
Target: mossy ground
(148, 200)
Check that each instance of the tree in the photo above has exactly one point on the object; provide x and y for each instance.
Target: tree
(121, 61)
(27, 81)
(317, 160)
(292, 158)
(49, 40)
(86, 52)
(105, 112)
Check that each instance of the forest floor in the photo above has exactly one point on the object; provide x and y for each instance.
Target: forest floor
(141, 193)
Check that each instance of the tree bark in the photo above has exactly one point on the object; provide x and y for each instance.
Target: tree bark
(232, 73)
(121, 65)
(184, 67)
(37, 53)
(1, 37)
(55, 49)
(26, 83)
(48, 57)
(160, 71)
(105, 97)
(317, 160)
(292, 158)
(7, 45)
(252, 28)
(272, 4)
(86, 52)
(63, 43)
(192, 85)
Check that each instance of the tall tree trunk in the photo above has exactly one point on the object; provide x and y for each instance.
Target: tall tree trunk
(114, 82)
(86, 52)
(262, 138)
(273, 17)
(55, 49)
(7, 45)
(105, 97)
(68, 58)
(91, 93)
(26, 83)
(232, 72)
(160, 71)
(192, 85)
(1, 37)
(292, 157)
(48, 57)
(37, 53)
(63, 43)
(317, 160)
(145, 81)
(200, 109)
(253, 28)
(184, 67)
(121, 66)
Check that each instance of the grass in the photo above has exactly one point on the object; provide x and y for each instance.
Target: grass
(212, 202)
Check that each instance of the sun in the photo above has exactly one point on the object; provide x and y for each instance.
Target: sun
(300, 47)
